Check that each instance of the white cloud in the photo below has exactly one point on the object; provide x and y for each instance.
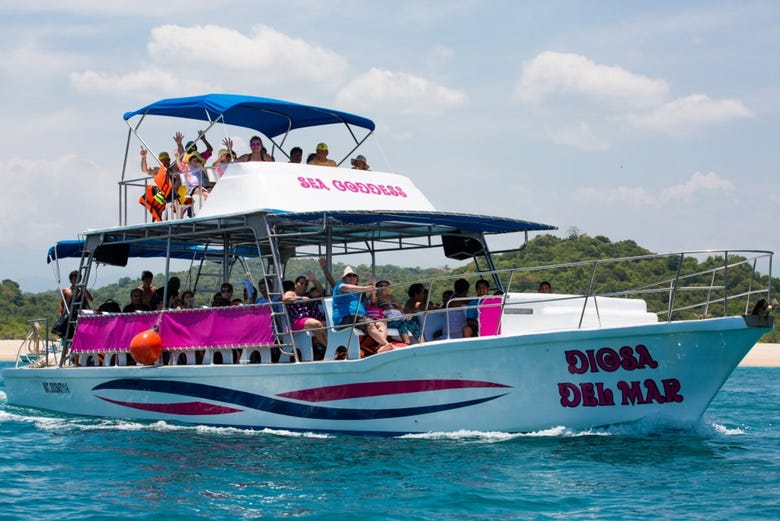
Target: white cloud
(139, 84)
(263, 51)
(638, 197)
(682, 116)
(187, 60)
(579, 136)
(408, 93)
(613, 99)
(697, 183)
(554, 74)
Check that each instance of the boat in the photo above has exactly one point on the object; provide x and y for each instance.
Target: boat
(597, 357)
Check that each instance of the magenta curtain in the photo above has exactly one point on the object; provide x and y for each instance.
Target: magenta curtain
(192, 328)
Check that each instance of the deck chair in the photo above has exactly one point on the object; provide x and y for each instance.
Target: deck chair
(348, 337)
(490, 316)
(456, 320)
(433, 325)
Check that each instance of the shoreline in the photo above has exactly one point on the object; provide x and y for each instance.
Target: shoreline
(762, 355)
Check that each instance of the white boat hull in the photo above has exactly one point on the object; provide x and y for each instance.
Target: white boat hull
(666, 373)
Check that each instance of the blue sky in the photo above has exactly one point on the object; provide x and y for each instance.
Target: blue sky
(651, 121)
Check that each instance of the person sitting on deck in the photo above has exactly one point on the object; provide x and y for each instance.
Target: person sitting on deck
(456, 317)
(263, 287)
(146, 288)
(224, 158)
(359, 163)
(191, 147)
(164, 158)
(174, 283)
(348, 308)
(187, 299)
(70, 291)
(136, 302)
(302, 286)
(408, 327)
(304, 312)
(296, 155)
(457, 299)
(193, 174)
(322, 157)
(446, 295)
(418, 299)
(257, 153)
(224, 297)
(482, 287)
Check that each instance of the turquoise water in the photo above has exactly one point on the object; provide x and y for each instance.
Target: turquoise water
(727, 467)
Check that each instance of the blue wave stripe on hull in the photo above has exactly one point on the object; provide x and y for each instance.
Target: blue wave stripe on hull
(275, 406)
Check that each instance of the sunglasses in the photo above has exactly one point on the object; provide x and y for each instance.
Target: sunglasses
(227, 291)
(255, 145)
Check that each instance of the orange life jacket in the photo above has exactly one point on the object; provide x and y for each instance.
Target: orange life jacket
(156, 196)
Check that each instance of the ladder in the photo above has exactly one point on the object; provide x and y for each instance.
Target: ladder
(271, 262)
(78, 301)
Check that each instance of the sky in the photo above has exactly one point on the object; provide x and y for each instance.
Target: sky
(651, 121)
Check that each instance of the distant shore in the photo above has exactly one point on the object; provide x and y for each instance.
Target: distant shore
(762, 355)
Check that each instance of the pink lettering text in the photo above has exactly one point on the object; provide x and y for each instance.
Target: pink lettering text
(349, 186)
(315, 183)
(609, 360)
(589, 394)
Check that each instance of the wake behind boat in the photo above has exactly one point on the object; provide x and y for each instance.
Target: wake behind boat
(599, 356)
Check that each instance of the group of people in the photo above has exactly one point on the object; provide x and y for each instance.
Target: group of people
(189, 180)
(370, 307)
(190, 187)
(147, 297)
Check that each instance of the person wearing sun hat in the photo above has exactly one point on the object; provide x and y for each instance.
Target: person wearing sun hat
(192, 169)
(163, 157)
(348, 308)
(192, 147)
(360, 163)
(322, 156)
(224, 158)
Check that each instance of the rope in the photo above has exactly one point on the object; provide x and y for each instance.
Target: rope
(34, 340)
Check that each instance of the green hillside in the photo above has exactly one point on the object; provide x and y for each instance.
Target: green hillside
(17, 307)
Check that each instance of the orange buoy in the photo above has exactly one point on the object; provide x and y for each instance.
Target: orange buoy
(146, 347)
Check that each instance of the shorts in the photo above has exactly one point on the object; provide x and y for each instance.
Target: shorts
(360, 322)
(299, 323)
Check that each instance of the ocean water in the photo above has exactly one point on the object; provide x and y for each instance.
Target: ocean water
(726, 467)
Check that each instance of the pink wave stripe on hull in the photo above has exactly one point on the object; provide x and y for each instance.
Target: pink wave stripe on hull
(368, 389)
(183, 408)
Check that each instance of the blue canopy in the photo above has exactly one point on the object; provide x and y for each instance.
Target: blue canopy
(150, 248)
(296, 229)
(427, 222)
(268, 116)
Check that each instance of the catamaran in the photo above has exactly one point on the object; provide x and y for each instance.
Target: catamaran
(597, 357)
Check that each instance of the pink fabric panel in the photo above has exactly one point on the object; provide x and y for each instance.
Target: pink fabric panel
(490, 317)
(207, 327)
(110, 332)
(215, 327)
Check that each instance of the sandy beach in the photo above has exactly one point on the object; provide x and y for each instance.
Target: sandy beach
(762, 355)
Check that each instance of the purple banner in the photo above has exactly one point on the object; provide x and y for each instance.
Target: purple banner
(235, 326)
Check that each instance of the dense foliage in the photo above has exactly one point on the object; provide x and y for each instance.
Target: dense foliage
(17, 308)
